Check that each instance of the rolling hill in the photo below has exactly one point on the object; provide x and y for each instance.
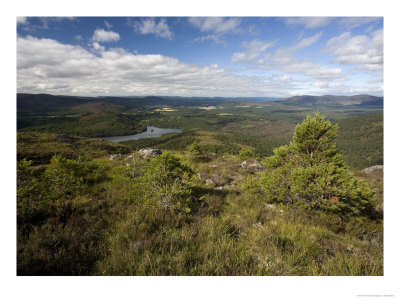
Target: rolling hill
(330, 100)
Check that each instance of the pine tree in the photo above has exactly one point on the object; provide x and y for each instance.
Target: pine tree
(195, 149)
(310, 172)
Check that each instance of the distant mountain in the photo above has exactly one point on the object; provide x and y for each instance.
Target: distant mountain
(45, 103)
(255, 99)
(330, 100)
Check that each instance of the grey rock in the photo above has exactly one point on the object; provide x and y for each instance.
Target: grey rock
(209, 182)
(273, 207)
(254, 166)
(114, 156)
(373, 168)
(149, 152)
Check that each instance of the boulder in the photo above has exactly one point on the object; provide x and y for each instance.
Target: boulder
(149, 152)
(253, 166)
(373, 168)
(273, 207)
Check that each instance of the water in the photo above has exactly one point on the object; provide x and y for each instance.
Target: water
(149, 133)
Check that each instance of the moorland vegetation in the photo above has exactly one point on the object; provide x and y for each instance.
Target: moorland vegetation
(214, 203)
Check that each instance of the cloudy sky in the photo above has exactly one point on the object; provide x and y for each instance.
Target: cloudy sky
(216, 56)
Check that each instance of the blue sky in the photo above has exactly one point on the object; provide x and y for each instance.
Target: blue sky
(215, 56)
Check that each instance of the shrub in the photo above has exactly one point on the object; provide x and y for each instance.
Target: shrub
(310, 172)
(64, 178)
(165, 183)
(195, 150)
(246, 153)
(31, 206)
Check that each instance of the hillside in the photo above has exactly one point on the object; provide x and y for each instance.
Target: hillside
(46, 103)
(329, 100)
(40, 147)
(89, 207)
(104, 230)
(34, 103)
(228, 196)
(361, 140)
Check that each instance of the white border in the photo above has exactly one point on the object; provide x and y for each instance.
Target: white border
(198, 287)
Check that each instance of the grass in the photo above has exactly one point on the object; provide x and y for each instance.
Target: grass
(240, 236)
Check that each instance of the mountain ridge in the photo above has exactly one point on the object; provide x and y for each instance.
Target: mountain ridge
(363, 100)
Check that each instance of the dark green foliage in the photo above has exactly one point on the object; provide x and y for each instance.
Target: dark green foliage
(88, 125)
(41, 147)
(310, 173)
(361, 140)
(31, 204)
(63, 246)
(58, 234)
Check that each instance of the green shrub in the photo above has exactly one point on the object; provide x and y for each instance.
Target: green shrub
(31, 205)
(310, 172)
(246, 153)
(195, 150)
(165, 183)
(64, 178)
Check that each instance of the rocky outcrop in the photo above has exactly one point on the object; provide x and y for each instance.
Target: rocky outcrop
(114, 156)
(149, 152)
(252, 166)
(272, 207)
(373, 168)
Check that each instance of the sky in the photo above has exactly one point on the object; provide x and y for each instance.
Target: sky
(200, 56)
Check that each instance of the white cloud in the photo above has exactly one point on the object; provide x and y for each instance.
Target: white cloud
(254, 50)
(282, 59)
(364, 51)
(310, 69)
(108, 25)
(45, 65)
(217, 25)
(353, 22)
(306, 42)
(309, 22)
(150, 26)
(284, 77)
(100, 35)
(284, 55)
(343, 89)
(22, 20)
(211, 37)
(45, 23)
(97, 46)
(320, 84)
